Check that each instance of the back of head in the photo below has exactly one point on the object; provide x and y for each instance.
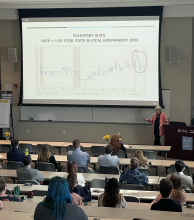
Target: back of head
(72, 180)
(76, 144)
(57, 196)
(179, 165)
(2, 184)
(165, 188)
(109, 149)
(72, 167)
(115, 143)
(177, 185)
(139, 154)
(27, 160)
(111, 193)
(134, 163)
(45, 153)
(14, 142)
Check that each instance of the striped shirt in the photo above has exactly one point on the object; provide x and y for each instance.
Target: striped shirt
(133, 176)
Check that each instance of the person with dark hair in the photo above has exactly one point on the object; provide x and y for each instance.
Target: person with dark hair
(3, 196)
(187, 181)
(165, 203)
(117, 145)
(79, 157)
(27, 173)
(58, 203)
(45, 156)
(111, 196)
(107, 160)
(177, 193)
(133, 176)
(72, 181)
(73, 168)
(14, 154)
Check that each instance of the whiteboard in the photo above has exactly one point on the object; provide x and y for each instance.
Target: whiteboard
(93, 114)
(4, 113)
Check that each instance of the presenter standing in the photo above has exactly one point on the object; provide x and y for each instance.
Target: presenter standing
(158, 120)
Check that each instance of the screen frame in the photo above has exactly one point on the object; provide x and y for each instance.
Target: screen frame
(93, 12)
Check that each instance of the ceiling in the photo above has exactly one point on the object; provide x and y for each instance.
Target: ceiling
(15, 4)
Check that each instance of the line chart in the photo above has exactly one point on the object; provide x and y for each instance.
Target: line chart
(90, 67)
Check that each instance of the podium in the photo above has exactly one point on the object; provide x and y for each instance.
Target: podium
(180, 138)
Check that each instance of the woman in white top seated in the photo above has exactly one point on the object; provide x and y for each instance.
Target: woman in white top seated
(73, 168)
(111, 196)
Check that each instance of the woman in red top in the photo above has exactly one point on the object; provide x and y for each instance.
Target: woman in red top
(158, 120)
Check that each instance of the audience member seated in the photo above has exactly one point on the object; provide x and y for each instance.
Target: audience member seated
(27, 173)
(133, 176)
(165, 203)
(14, 154)
(73, 168)
(117, 145)
(143, 161)
(107, 160)
(58, 203)
(72, 181)
(111, 196)
(186, 180)
(81, 158)
(3, 196)
(46, 157)
(177, 194)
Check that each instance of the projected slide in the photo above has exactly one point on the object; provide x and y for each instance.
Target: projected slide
(91, 62)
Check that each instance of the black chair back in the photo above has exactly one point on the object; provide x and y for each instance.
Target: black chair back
(133, 187)
(98, 183)
(13, 165)
(39, 193)
(23, 148)
(146, 171)
(108, 170)
(97, 151)
(132, 199)
(81, 169)
(45, 166)
(120, 154)
(150, 155)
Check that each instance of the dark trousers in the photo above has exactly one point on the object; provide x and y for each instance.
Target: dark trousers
(157, 140)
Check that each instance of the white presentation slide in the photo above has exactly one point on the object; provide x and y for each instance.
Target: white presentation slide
(91, 61)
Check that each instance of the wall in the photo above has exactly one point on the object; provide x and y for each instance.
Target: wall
(177, 77)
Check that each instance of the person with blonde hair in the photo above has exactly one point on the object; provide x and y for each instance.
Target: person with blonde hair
(46, 157)
(177, 194)
(143, 161)
(158, 120)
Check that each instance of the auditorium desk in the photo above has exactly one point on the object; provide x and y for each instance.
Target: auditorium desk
(89, 145)
(93, 160)
(96, 212)
(153, 180)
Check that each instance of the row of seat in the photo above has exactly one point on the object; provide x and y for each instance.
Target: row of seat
(95, 150)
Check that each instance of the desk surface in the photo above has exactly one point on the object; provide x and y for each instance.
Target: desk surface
(19, 209)
(88, 145)
(52, 143)
(167, 163)
(153, 180)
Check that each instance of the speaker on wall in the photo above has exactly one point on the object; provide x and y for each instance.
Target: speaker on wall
(173, 55)
(12, 55)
